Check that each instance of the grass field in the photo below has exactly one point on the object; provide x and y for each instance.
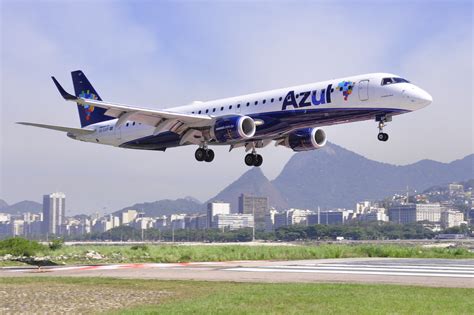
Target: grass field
(175, 253)
(178, 297)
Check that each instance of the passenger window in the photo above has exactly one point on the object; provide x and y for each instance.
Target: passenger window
(134, 123)
(264, 101)
(207, 111)
(256, 102)
(199, 112)
(222, 108)
(111, 128)
(127, 124)
(213, 110)
(280, 98)
(238, 105)
(248, 104)
(272, 100)
(230, 106)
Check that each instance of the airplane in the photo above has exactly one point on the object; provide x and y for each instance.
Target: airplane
(291, 117)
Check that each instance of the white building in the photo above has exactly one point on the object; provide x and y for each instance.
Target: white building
(411, 213)
(298, 216)
(215, 208)
(4, 217)
(143, 223)
(373, 215)
(451, 218)
(233, 221)
(128, 216)
(363, 207)
(54, 211)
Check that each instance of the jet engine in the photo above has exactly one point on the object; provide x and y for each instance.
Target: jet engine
(233, 128)
(305, 139)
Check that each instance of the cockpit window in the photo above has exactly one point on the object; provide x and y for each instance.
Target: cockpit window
(387, 81)
(400, 80)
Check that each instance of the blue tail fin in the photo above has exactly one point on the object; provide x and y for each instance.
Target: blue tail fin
(83, 88)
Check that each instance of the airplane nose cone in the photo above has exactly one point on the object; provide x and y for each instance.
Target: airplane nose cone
(418, 97)
(424, 97)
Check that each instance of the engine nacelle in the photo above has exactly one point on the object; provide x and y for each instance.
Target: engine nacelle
(233, 128)
(305, 139)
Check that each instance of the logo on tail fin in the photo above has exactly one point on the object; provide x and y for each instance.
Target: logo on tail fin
(89, 109)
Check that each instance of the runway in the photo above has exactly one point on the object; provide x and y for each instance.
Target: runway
(425, 272)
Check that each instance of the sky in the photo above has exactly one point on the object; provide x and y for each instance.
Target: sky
(160, 54)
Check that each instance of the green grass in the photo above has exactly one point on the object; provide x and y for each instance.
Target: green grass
(176, 253)
(251, 298)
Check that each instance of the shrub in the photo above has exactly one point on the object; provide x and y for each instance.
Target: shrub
(18, 246)
(140, 246)
(56, 244)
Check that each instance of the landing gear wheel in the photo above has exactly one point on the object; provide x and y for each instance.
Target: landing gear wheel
(209, 155)
(250, 159)
(258, 160)
(382, 136)
(200, 154)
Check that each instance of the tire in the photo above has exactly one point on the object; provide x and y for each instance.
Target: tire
(209, 156)
(249, 159)
(385, 137)
(200, 155)
(258, 160)
(381, 136)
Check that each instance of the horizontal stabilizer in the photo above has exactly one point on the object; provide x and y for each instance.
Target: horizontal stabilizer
(76, 131)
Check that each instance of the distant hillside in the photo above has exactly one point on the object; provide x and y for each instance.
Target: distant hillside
(469, 184)
(252, 182)
(334, 177)
(167, 207)
(23, 207)
(3, 204)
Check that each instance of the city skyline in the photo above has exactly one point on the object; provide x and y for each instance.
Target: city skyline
(210, 58)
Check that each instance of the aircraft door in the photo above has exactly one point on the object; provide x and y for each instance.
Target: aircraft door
(364, 90)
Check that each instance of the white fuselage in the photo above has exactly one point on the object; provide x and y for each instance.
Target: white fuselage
(279, 111)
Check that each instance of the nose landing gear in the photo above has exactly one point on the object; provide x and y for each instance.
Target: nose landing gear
(382, 136)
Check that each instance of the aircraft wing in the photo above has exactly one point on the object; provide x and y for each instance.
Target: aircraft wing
(76, 131)
(162, 120)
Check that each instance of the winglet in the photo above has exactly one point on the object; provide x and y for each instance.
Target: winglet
(63, 92)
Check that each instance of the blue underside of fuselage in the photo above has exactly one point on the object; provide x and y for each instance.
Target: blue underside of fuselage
(276, 124)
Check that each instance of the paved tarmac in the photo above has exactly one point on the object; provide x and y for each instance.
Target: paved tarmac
(423, 272)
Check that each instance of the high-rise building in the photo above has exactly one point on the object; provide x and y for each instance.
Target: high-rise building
(54, 210)
(257, 206)
(411, 213)
(215, 208)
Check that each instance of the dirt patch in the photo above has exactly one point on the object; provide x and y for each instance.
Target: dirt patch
(52, 298)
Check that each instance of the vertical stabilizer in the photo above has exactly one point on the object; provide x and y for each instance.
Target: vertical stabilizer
(83, 88)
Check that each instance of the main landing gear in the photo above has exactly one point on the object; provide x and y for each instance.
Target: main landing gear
(382, 136)
(204, 154)
(253, 159)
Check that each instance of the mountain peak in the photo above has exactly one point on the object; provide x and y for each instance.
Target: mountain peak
(252, 182)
